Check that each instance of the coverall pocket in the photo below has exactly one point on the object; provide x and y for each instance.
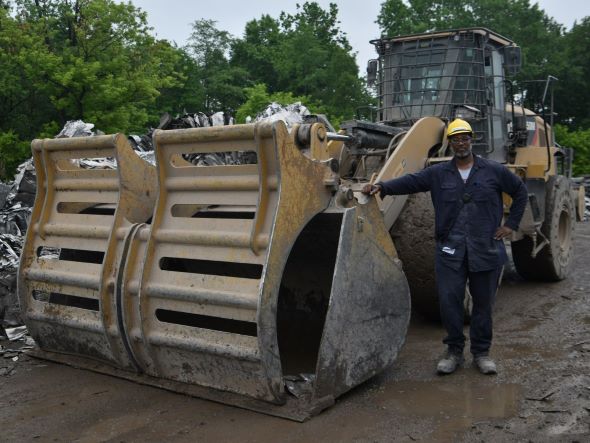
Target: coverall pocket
(486, 253)
(449, 192)
(450, 254)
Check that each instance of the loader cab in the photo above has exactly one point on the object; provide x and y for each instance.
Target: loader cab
(448, 74)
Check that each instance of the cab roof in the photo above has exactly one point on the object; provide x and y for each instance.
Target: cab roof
(495, 37)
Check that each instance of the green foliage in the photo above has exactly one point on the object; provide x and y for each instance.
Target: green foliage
(21, 106)
(96, 60)
(12, 152)
(256, 51)
(93, 60)
(573, 88)
(306, 54)
(220, 83)
(181, 96)
(579, 140)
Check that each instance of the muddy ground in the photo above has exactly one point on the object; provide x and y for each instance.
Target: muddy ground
(542, 392)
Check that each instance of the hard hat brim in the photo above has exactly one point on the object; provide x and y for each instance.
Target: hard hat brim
(460, 131)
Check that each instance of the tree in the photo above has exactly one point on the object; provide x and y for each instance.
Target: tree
(579, 140)
(316, 60)
(221, 83)
(97, 61)
(185, 96)
(305, 54)
(23, 109)
(93, 60)
(572, 91)
(12, 153)
(257, 50)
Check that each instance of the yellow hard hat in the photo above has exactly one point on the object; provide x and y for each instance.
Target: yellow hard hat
(459, 126)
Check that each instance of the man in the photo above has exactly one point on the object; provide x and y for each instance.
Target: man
(467, 196)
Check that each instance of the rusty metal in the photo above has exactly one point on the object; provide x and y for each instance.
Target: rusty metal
(69, 304)
(234, 283)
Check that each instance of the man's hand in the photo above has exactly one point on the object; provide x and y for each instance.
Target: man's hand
(370, 189)
(503, 232)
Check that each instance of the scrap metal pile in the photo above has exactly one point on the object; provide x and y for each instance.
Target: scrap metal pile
(16, 200)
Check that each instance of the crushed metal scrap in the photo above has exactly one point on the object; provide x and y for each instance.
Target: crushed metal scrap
(291, 114)
(76, 128)
(14, 342)
(17, 199)
(10, 250)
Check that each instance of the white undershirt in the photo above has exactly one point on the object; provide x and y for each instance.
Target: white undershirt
(464, 174)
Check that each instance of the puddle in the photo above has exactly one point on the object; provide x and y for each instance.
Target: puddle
(455, 407)
(520, 351)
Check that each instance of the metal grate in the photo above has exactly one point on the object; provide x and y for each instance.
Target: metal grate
(432, 77)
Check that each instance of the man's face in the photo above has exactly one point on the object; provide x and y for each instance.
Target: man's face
(461, 145)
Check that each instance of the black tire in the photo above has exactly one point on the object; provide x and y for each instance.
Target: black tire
(553, 262)
(413, 236)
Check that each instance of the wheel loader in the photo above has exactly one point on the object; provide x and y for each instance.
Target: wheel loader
(465, 74)
(274, 286)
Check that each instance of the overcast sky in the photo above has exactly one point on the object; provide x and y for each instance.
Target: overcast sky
(172, 19)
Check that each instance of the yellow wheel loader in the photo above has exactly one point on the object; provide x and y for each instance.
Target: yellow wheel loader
(272, 286)
(463, 74)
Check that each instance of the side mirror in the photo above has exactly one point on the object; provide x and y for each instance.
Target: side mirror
(372, 67)
(512, 59)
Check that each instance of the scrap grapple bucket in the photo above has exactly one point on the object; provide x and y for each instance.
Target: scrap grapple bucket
(81, 216)
(247, 284)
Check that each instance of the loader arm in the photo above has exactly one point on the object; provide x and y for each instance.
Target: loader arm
(409, 157)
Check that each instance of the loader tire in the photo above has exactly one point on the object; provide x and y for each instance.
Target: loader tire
(413, 236)
(553, 262)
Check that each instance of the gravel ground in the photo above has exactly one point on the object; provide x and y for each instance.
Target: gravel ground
(542, 391)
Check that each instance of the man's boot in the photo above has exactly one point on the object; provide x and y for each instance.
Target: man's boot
(485, 365)
(449, 363)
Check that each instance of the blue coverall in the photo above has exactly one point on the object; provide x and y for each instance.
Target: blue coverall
(466, 218)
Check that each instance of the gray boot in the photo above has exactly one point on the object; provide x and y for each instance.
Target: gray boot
(449, 363)
(485, 365)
